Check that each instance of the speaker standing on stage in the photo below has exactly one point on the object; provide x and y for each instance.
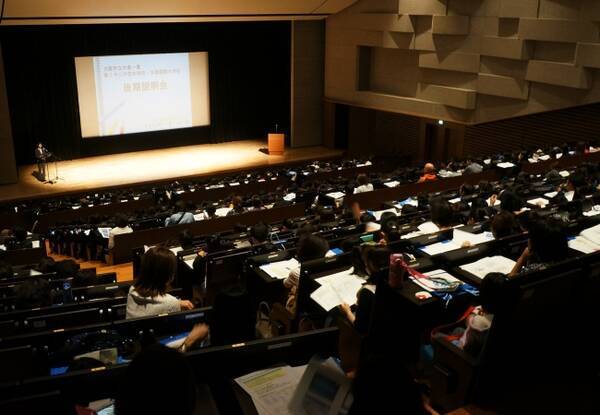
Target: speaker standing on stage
(41, 156)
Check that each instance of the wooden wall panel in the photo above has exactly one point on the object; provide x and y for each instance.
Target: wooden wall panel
(549, 48)
(556, 127)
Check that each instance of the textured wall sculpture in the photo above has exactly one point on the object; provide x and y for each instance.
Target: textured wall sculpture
(469, 61)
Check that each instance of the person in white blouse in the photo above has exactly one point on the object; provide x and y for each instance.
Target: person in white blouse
(363, 184)
(148, 296)
(121, 228)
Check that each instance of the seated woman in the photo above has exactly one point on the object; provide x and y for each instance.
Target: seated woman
(363, 184)
(148, 295)
(547, 244)
(236, 206)
(309, 247)
(504, 224)
(122, 226)
(376, 261)
(157, 371)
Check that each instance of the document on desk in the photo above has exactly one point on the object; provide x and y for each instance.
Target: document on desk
(539, 201)
(280, 269)
(428, 227)
(505, 165)
(393, 183)
(489, 264)
(272, 390)
(336, 289)
(222, 211)
(581, 244)
(176, 249)
(377, 214)
(330, 296)
(189, 260)
(105, 232)
(35, 244)
(440, 247)
(587, 241)
(592, 234)
(462, 238)
(336, 195)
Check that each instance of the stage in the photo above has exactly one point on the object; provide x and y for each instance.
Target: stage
(154, 165)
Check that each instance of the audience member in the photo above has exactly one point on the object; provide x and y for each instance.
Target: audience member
(376, 262)
(122, 227)
(383, 383)
(158, 381)
(504, 224)
(183, 216)
(148, 295)
(442, 214)
(473, 167)
(186, 239)
(236, 206)
(547, 244)
(428, 173)
(389, 228)
(363, 184)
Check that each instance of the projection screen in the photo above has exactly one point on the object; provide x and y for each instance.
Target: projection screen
(124, 94)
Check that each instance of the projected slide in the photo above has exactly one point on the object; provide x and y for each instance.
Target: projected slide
(137, 93)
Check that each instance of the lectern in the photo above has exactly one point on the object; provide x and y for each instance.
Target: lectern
(276, 144)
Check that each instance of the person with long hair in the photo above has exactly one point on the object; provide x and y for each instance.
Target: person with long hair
(148, 295)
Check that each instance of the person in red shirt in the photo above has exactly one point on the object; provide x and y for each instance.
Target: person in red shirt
(428, 173)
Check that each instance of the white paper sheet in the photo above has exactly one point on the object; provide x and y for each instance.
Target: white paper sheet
(489, 264)
(505, 165)
(539, 201)
(280, 269)
(460, 237)
(222, 211)
(176, 249)
(428, 227)
(105, 232)
(393, 183)
(272, 390)
(592, 234)
(337, 288)
(583, 245)
(35, 244)
(336, 195)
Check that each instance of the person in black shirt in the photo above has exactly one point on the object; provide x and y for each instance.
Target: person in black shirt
(41, 157)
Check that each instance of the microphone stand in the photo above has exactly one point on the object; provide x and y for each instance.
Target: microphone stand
(56, 176)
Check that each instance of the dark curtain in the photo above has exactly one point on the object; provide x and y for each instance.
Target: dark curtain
(249, 64)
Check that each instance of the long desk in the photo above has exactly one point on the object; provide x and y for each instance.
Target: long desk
(125, 243)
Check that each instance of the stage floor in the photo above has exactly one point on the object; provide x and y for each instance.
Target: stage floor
(154, 165)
